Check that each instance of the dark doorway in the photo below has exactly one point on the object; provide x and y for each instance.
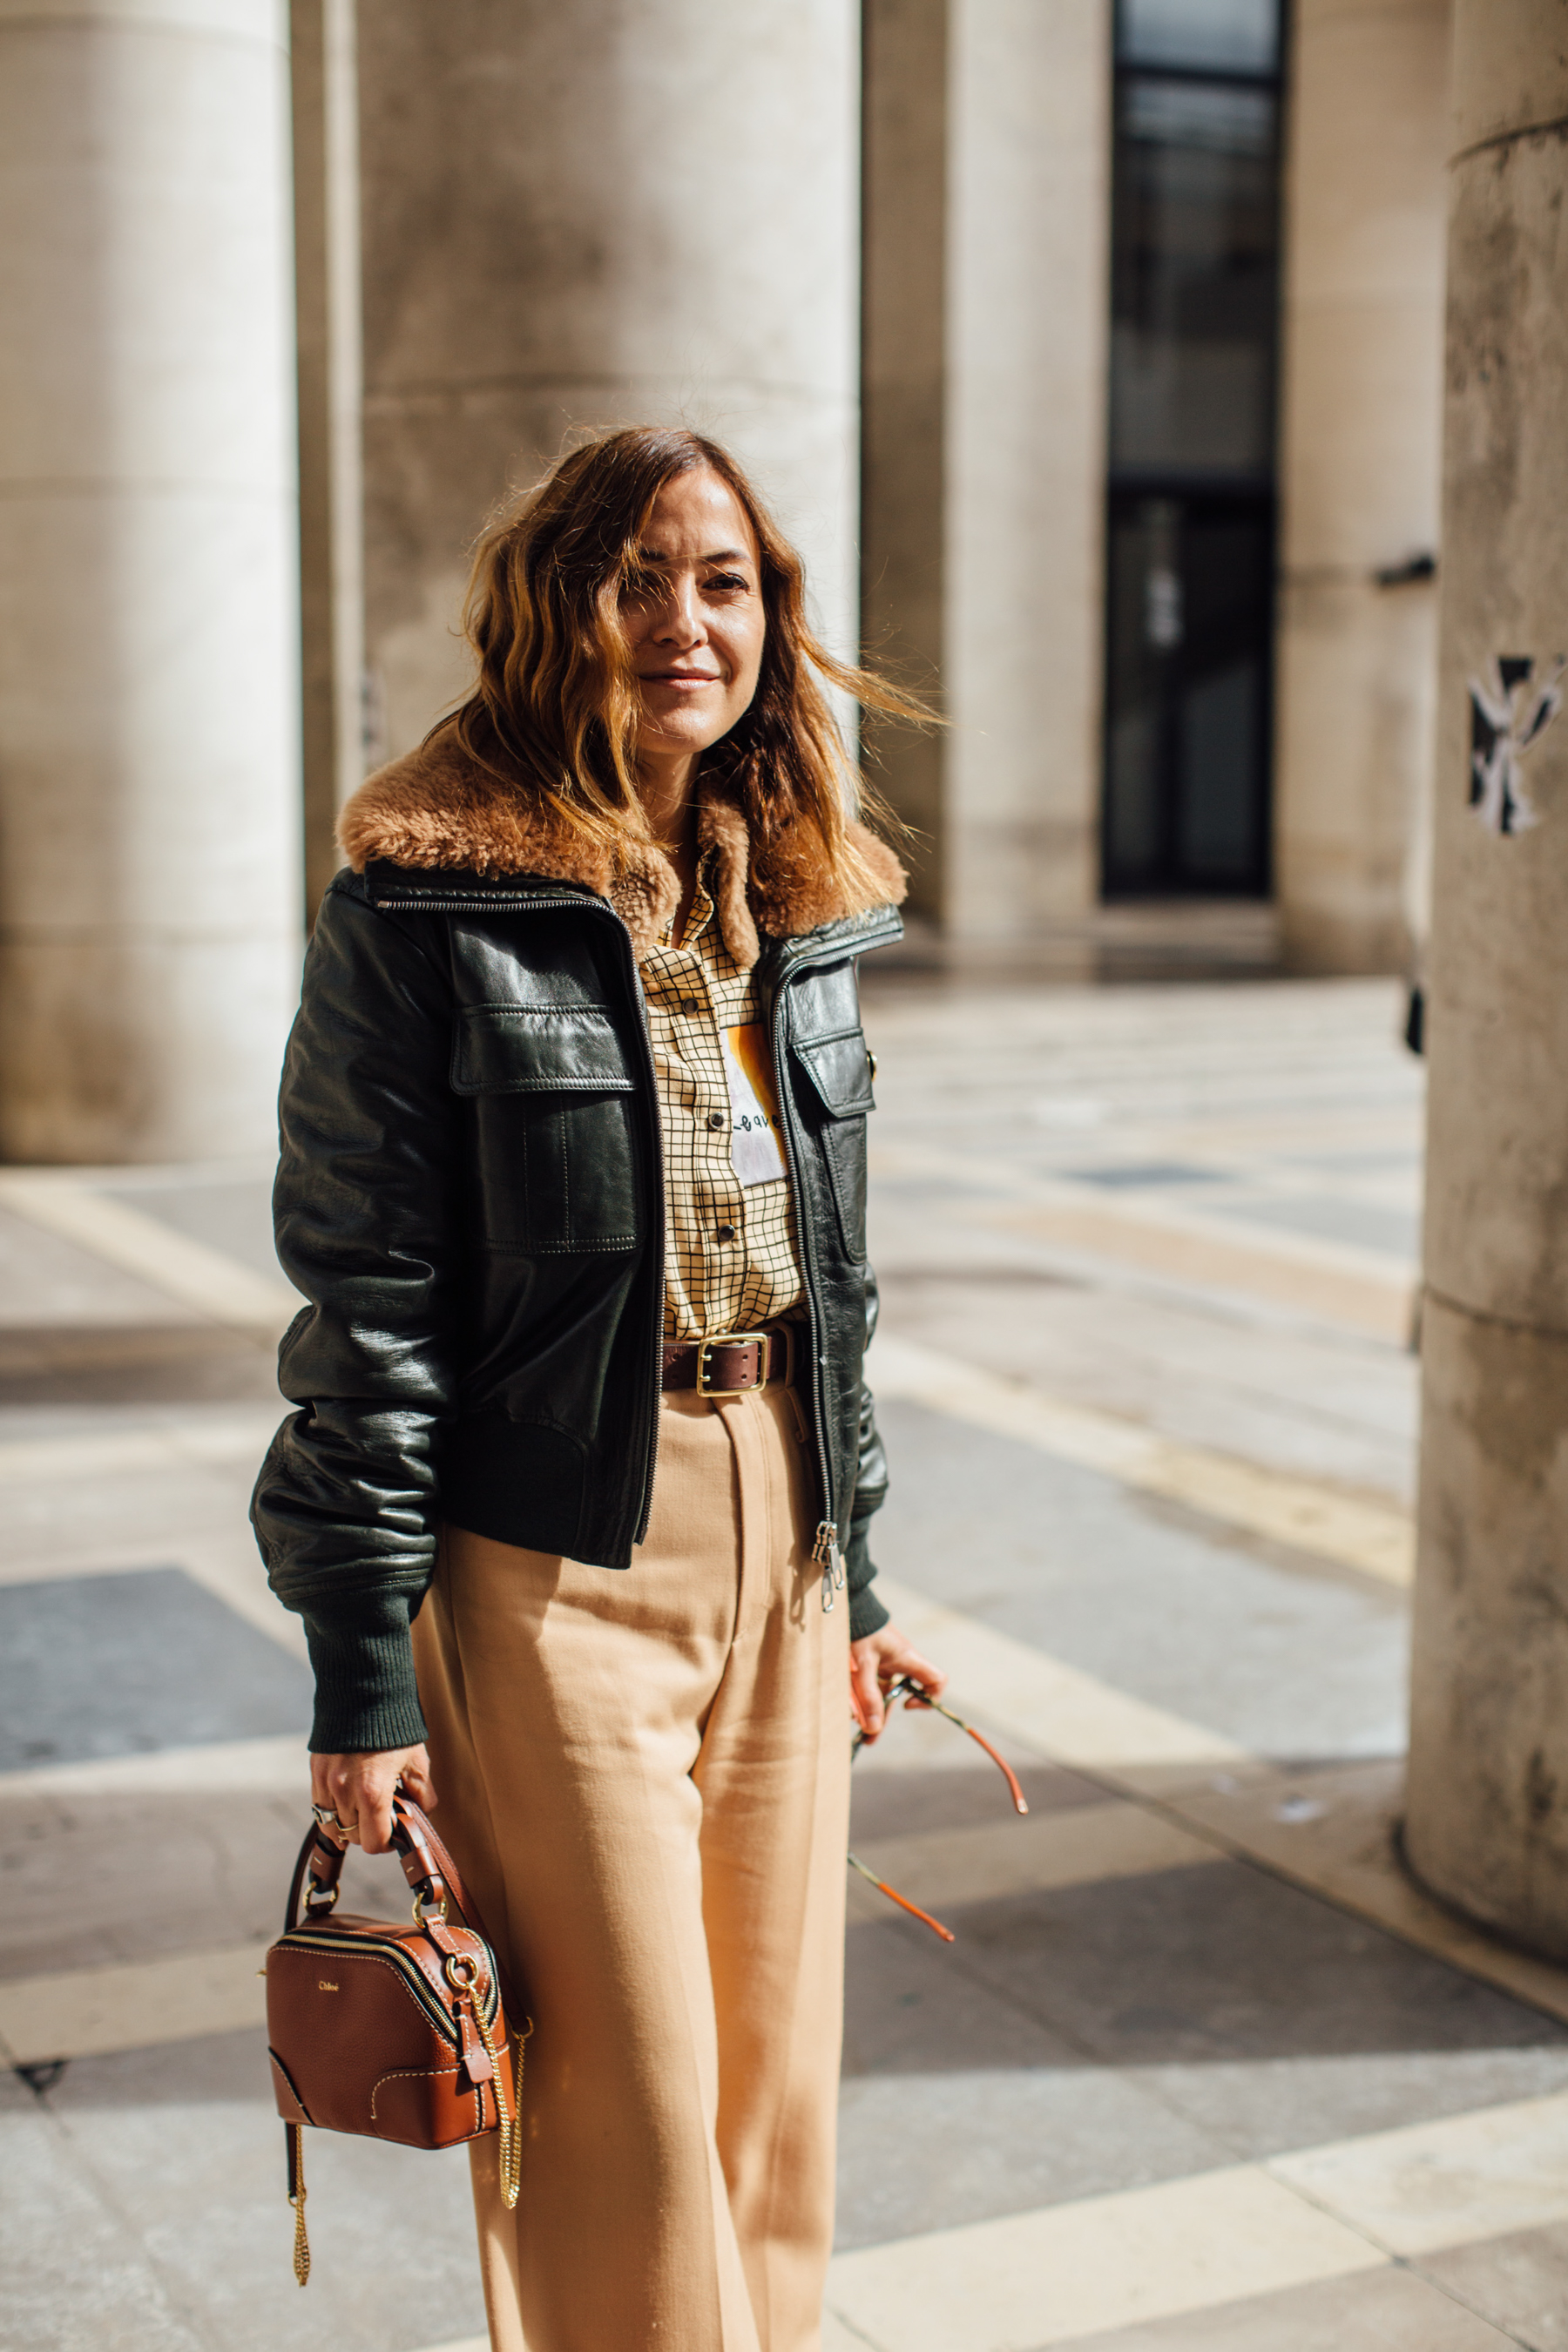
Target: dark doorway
(1190, 524)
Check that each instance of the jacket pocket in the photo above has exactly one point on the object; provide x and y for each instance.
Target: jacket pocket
(555, 1118)
(838, 1095)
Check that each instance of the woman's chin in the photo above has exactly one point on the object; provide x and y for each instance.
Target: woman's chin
(682, 735)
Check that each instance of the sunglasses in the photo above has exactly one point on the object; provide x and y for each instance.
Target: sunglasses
(914, 1695)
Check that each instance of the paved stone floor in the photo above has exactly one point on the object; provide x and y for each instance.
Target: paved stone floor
(1201, 2072)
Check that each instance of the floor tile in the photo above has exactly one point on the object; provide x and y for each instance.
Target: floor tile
(75, 2275)
(1207, 1965)
(188, 2148)
(1519, 2281)
(110, 1664)
(1444, 2180)
(958, 2106)
(1382, 2311)
(1090, 1571)
(1044, 2278)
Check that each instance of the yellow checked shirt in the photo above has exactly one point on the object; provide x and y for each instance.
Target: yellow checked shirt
(730, 1260)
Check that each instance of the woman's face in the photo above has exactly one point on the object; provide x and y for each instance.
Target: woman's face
(696, 629)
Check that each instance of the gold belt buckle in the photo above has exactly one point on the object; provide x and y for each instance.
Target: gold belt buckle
(729, 1340)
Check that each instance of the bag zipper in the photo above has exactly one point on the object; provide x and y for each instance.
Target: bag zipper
(338, 1946)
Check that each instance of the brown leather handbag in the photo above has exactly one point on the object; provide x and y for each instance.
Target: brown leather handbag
(395, 2031)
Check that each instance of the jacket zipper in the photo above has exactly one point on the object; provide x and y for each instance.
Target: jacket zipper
(824, 1551)
(517, 901)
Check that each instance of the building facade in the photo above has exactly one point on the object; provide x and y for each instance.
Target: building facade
(1091, 352)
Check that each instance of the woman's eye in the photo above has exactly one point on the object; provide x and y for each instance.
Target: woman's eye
(728, 582)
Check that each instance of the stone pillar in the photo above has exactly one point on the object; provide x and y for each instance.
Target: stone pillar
(1364, 219)
(324, 54)
(1488, 1826)
(588, 216)
(149, 795)
(987, 212)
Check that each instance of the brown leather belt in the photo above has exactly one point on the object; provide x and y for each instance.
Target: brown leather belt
(733, 1362)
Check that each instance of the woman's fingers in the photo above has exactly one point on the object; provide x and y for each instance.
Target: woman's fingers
(866, 1691)
(364, 1801)
(359, 1790)
(921, 1670)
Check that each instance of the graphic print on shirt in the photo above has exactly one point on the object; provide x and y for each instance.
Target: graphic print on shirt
(755, 1150)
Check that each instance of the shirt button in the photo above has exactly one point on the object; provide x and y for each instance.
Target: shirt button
(715, 1119)
(688, 1005)
(726, 1233)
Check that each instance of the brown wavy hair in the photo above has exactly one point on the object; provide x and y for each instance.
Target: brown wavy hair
(554, 710)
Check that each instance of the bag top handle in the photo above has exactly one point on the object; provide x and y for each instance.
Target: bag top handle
(426, 1865)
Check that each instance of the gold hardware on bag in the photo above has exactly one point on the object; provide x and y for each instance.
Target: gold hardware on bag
(297, 2199)
(511, 2126)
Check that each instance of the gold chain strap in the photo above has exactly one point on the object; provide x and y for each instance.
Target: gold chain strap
(511, 2126)
(297, 2199)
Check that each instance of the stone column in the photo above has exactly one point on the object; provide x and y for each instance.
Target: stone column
(1488, 1824)
(148, 795)
(581, 216)
(988, 211)
(325, 76)
(1364, 219)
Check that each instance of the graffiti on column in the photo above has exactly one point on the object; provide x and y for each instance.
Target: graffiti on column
(1510, 712)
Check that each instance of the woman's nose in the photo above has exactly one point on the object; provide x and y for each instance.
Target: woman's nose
(679, 616)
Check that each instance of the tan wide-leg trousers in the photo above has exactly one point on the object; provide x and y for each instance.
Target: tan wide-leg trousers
(644, 1777)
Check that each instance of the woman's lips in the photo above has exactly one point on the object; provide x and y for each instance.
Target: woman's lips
(682, 677)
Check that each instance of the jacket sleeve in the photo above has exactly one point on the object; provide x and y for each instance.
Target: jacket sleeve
(867, 1614)
(345, 1509)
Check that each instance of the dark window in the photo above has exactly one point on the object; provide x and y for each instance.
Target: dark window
(1193, 344)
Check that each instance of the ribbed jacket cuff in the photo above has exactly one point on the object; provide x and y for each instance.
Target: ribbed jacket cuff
(867, 1614)
(367, 1699)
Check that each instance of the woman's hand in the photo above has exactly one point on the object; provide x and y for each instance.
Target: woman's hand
(359, 1790)
(877, 1661)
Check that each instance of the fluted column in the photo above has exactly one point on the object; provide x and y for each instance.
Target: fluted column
(1488, 1825)
(148, 795)
(1364, 219)
(586, 215)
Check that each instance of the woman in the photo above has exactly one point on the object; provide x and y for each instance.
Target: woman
(573, 1179)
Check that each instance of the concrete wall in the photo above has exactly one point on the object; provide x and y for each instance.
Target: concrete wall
(1487, 1823)
(987, 220)
(148, 809)
(581, 216)
(1365, 217)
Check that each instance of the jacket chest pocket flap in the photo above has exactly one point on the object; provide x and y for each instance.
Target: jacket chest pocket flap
(838, 1067)
(554, 1106)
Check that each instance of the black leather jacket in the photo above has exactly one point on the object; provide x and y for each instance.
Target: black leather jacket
(471, 1199)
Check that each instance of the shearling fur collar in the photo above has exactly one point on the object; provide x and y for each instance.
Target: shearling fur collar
(435, 808)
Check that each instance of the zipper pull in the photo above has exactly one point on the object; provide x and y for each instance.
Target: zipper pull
(825, 1555)
(473, 2055)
